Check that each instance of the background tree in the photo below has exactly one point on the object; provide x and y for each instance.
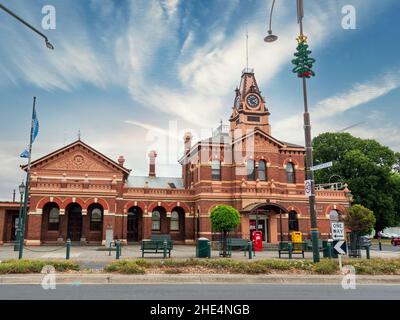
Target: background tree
(224, 219)
(369, 168)
(360, 219)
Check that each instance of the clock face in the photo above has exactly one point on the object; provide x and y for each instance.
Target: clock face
(252, 100)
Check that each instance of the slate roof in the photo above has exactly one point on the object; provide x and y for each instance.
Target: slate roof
(155, 182)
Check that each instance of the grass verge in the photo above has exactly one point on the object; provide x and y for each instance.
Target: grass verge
(35, 266)
(325, 266)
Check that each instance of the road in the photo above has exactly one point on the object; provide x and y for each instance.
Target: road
(199, 292)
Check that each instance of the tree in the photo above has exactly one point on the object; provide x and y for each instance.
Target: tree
(369, 168)
(360, 219)
(224, 219)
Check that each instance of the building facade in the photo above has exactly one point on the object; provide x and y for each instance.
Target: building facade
(77, 192)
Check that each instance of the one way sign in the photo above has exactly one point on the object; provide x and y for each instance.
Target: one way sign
(340, 247)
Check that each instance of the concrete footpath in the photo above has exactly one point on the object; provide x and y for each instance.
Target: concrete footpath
(78, 279)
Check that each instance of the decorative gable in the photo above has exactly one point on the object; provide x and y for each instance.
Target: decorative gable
(78, 157)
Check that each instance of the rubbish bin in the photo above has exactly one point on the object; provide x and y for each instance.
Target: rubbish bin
(325, 248)
(203, 248)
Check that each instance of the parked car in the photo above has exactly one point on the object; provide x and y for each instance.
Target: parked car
(395, 241)
(364, 241)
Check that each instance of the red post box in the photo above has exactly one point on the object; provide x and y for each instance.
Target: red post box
(257, 241)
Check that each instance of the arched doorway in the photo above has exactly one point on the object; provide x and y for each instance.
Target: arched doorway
(74, 222)
(134, 215)
(264, 217)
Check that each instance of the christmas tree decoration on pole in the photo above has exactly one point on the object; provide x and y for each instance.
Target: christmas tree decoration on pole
(303, 63)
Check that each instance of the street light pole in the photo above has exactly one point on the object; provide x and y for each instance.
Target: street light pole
(48, 44)
(308, 141)
(18, 238)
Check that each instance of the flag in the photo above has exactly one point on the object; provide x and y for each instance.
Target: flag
(35, 125)
(24, 154)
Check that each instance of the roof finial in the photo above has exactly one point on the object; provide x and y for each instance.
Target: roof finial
(79, 134)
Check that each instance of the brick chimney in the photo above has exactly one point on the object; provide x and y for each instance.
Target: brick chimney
(152, 167)
(187, 138)
(121, 161)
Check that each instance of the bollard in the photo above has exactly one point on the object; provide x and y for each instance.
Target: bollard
(117, 245)
(109, 249)
(250, 248)
(68, 249)
(329, 250)
(380, 245)
(209, 249)
(120, 249)
(367, 251)
(165, 248)
(290, 248)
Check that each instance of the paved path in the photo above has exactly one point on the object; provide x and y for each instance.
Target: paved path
(199, 292)
(98, 256)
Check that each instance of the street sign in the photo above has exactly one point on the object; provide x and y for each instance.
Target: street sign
(337, 229)
(340, 247)
(322, 166)
(307, 188)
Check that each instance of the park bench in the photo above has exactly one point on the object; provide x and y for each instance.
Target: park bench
(309, 245)
(156, 246)
(160, 237)
(239, 243)
(297, 248)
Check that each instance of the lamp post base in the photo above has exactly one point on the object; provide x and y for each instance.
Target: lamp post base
(315, 245)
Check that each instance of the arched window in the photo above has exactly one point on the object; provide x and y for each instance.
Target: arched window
(262, 170)
(293, 221)
(291, 177)
(251, 174)
(174, 221)
(54, 219)
(216, 170)
(156, 221)
(96, 217)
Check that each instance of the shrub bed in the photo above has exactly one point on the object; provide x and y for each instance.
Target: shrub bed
(35, 266)
(325, 266)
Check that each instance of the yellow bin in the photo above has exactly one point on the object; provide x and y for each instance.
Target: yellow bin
(297, 237)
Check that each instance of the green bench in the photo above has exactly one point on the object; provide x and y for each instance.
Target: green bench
(156, 246)
(309, 245)
(160, 237)
(239, 243)
(297, 248)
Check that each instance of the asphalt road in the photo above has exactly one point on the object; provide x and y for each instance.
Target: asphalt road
(199, 292)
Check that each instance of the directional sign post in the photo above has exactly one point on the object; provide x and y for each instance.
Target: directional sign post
(322, 166)
(340, 247)
(337, 229)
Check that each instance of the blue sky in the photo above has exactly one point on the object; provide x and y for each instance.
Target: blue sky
(135, 75)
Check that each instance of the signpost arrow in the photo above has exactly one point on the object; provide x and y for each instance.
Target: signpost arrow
(340, 247)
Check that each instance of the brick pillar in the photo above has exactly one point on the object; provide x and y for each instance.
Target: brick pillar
(245, 226)
(205, 226)
(33, 228)
(273, 228)
(2, 224)
(152, 166)
(146, 231)
(108, 221)
(189, 228)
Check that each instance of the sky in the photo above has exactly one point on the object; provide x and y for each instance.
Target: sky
(133, 76)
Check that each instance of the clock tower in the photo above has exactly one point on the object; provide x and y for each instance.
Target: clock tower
(249, 110)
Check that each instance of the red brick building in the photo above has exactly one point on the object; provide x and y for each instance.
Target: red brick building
(77, 192)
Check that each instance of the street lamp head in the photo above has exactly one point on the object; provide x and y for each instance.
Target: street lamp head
(270, 37)
(21, 188)
(49, 45)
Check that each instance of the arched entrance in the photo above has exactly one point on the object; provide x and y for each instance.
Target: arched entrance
(134, 215)
(74, 222)
(264, 217)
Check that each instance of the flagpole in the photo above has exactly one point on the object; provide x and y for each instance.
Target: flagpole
(21, 245)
